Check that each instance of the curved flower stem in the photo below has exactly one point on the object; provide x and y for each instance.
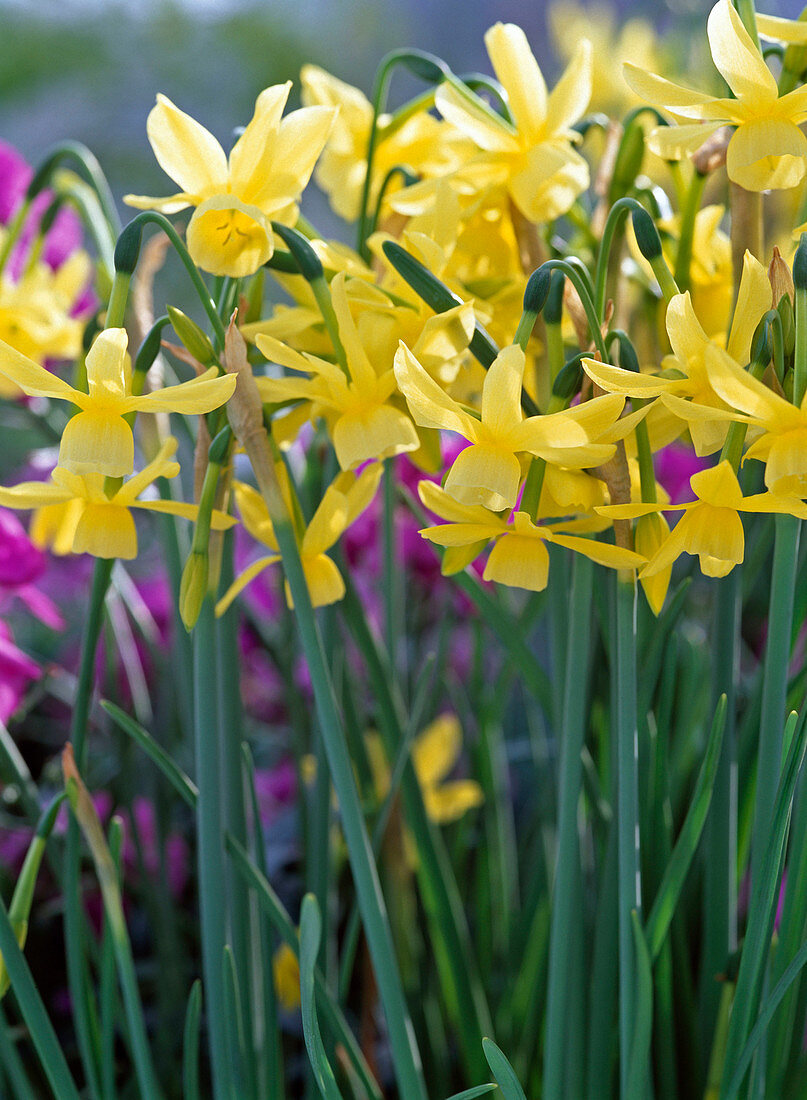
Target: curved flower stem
(616, 215)
(747, 12)
(573, 274)
(568, 855)
(130, 240)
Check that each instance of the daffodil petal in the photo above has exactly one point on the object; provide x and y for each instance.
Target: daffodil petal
(519, 74)
(627, 382)
(198, 395)
(436, 749)
(753, 301)
(501, 391)
(243, 579)
(604, 553)
(251, 155)
(33, 379)
(485, 475)
(185, 150)
(464, 110)
(519, 562)
(738, 60)
(570, 97)
(430, 406)
(664, 93)
(170, 204)
(767, 154)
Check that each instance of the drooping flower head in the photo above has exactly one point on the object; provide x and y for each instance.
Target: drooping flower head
(236, 198)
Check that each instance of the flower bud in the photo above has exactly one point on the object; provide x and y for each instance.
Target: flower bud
(647, 237)
(193, 588)
(537, 290)
(192, 337)
(800, 264)
(780, 278)
(127, 249)
(307, 260)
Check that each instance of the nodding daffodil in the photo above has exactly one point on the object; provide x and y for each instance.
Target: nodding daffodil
(98, 439)
(236, 198)
(689, 376)
(710, 525)
(531, 157)
(489, 472)
(767, 150)
(343, 502)
(783, 444)
(355, 403)
(86, 520)
(519, 557)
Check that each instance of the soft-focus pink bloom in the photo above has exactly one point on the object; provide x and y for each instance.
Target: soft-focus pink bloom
(16, 673)
(675, 465)
(276, 789)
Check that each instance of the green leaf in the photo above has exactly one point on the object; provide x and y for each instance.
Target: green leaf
(310, 929)
(643, 1026)
(477, 1090)
(190, 1046)
(669, 891)
(503, 1072)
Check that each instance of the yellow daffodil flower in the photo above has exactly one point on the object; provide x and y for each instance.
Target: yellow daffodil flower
(767, 150)
(428, 145)
(435, 752)
(35, 312)
(236, 198)
(532, 157)
(489, 472)
(91, 522)
(783, 444)
(343, 502)
(519, 557)
(688, 376)
(98, 439)
(710, 525)
(362, 422)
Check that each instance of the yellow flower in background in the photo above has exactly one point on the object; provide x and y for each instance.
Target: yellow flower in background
(286, 976)
(489, 472)
(767, 150)
(435, 753)
(612, 44)
(82, 519)
(236, 198)
(519, 557)
(710, 525)
(532, 157)
(362, 421)
(35, 312)
(342, 503)
(424, 143)
(98, 439)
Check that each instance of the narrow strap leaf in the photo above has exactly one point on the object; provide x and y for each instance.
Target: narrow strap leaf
(503, 1072)
(310, 929)
(190, 1045)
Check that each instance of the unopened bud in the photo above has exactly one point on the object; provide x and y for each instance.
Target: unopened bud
(647, 237)
(306, 258)
(785, 311)
(537, 290)
(780, 278)
(192, 336)
(127, 249)
(800, 264)
(193, 588)
(569, 378)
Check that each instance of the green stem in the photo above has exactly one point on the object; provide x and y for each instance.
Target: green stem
(627, 751)
(720, 833)
(575, 277)
(747, 12)
(234, 813)
(683, 259)
(568, 855)
(800, 351)
(12, 232)
(405, 1055)
(774, 685)
(210, 842)
(73, 912)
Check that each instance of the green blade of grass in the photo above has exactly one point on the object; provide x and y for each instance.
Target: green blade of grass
(190, 1044)
(503, 1072)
